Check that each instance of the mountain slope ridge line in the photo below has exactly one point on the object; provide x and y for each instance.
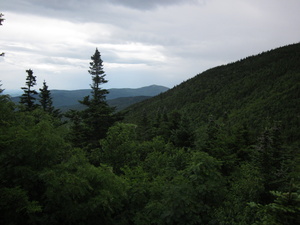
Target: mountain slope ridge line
(251, 91)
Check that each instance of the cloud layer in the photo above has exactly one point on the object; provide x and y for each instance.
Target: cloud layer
(141, 42)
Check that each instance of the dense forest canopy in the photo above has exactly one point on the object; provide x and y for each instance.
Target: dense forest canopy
(254, 91)
(220, 148)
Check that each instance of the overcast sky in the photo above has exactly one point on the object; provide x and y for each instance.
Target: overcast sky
(142, 42)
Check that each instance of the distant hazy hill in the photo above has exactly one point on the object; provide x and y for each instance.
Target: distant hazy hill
(252, 92)
(119, 97)
(65, 98)
(119, 103)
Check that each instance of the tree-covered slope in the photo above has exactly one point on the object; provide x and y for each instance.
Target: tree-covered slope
(220, 148)
(252, 91)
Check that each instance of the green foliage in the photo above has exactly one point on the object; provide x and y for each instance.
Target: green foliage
(173, 127)
(81, 192)
(45, 181)
(274, 160)
(284, 210)
(244, 185)
(92, 123)
(29, 143)
(187, 197)
(246, 128)
(251, 92)
(211, 155)
(14, 204)
(46, 101)
(119, 148)
(28, 99)
(161, 158)
(98, 78)
(6, 111)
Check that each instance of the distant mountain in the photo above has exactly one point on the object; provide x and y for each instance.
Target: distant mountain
(118, 97)
(251, 92)
(12, 92)
(119, 103)
(151, 90)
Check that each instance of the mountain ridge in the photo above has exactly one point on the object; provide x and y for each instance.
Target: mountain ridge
(65, 98)
(253, 91)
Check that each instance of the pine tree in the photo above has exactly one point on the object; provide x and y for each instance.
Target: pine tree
(28, 98)
(273, 160)
(45, 98)
(94, 121)
(46, 101)
(98, 78)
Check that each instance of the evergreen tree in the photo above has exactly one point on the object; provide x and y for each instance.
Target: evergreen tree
(28, 98)
(98, 78)
(284, 209)
(273, 159)
(46, 101)
(94, 121)
(45, 98)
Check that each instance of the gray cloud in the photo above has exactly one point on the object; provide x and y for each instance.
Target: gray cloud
(79, 10)
(74, 4)
(148, 5)
(158, 41)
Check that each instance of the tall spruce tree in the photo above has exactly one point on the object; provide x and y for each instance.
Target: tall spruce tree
(92, 123)
(98, 78)
(45, 98)
(46, 102)
(28, 98)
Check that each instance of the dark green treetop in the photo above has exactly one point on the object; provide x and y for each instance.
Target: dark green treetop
(45, 97)
(98, 78)
(91, 124)
(46, 100)
(28, 98)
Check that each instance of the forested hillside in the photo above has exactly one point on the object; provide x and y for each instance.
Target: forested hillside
(252, 92)
(221, 148)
